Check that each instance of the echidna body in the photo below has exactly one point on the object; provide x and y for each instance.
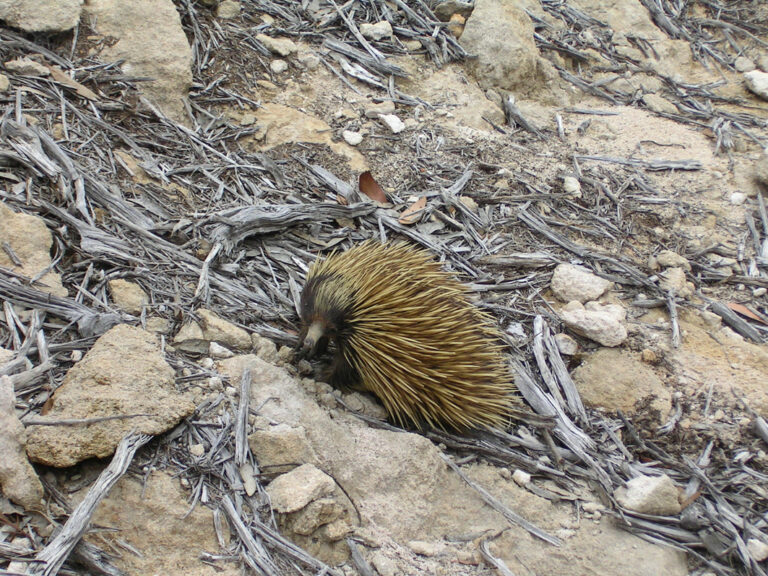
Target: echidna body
(405, 330)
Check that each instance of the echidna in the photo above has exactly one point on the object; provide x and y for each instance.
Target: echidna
(405, 330)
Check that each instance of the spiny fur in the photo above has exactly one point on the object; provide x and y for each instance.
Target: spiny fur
(406, 331)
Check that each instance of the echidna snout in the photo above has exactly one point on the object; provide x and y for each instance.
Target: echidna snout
(405, 330)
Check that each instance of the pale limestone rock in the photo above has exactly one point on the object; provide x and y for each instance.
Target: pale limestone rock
(147, 36)
(377, 31)
(656, 495)
(758, 549)
(658, 104)
(5, 83)
(31, 241)
(27, 67)
(352, 138)
(602, 323)
(422, 548)
(761, 168)
(128, 296)
(124, 373)
(225, 333)
(757, 82)
(18, 480)
(280, 46)
(41, 15)
(392, 122)
(500, 34)
(316, 515)
(228, 9)
(278, 66)
(571, 282)
(616, 380)
(248, 476)
(521, 477)
(447, 8)
(281, 448)
(670, 259)
(743, 64)
(572, 186)
(265, 349)
(219, 352)
(6, 356)
(293, 490)
(566, 344)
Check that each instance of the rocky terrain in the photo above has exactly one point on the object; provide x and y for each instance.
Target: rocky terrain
(595, 171)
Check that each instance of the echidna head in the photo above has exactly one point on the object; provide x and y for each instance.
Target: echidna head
(325, 308)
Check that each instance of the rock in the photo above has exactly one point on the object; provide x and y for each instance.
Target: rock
(521, 477)
(6, 355)
(148, 37)
(602, 323)
(295, 489)
(40, 15)
(265, 349)
(280, 46)
(248, 476)
(281, 448)
(218, 351)
(674, 279)
(18, 480)
(757, 82)
(500, 34)
(761, 168)
(571, 282)
(352, 138)
(377, 31)
(670, 259)
(392, 122)
(566, 345)
(572, 186)
(447, 8)
(656, 495)
(278, 66)
(758, 549)
(124, 373)
(128, 296)
(743, 64)
(228, 9)
(31, 241)
(737, 198)
(424, 548)
(373, 111)
(309, 60)
(615, 380)
(218, 330)
(5, 83)
(153, 517)
(658, 104)
(317, 514)
(27, 67)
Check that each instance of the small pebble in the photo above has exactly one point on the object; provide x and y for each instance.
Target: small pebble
(392, 122)
(521, 477)
(278, 66)
(758, 292)
(738, 198)
(197, 450)
(352, 138)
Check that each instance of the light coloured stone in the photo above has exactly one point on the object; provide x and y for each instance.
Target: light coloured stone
(743, 64)
(278, 66)
(197, 450)
(447, 8)
(375, 110)
(424, 548)
(737, 198)
(293, 490)
(5, 83)
(758, 549)
(228, 9)
(128, 296)
(656, 495)
(757, 82)
(216, 329)
(500, 34)
(571, 282)
(761, 168)
(521, 477)
(615, 380)
(280, 46)
(280, 448)
(18, 480)
(670, 259)
(566, 344)
(31, 241)
(674, 279)
(315, 515)
(602, 323)
(247, 475)
(309, 60)
(41, 15)
(124, 373)
(392, 122)
(377, 31)
(658, 104)
(218, 351)
(147, 36)
(27, 67)
(190, 338)
(572, 186)
(352, 138)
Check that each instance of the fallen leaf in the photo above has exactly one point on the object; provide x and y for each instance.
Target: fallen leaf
(744, 311)
(412, 214)
(371, 188)
(62, 78)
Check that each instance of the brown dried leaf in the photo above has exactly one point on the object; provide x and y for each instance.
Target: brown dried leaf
(744, 311)
(62, 78)
(412, 214)
(371, 188)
